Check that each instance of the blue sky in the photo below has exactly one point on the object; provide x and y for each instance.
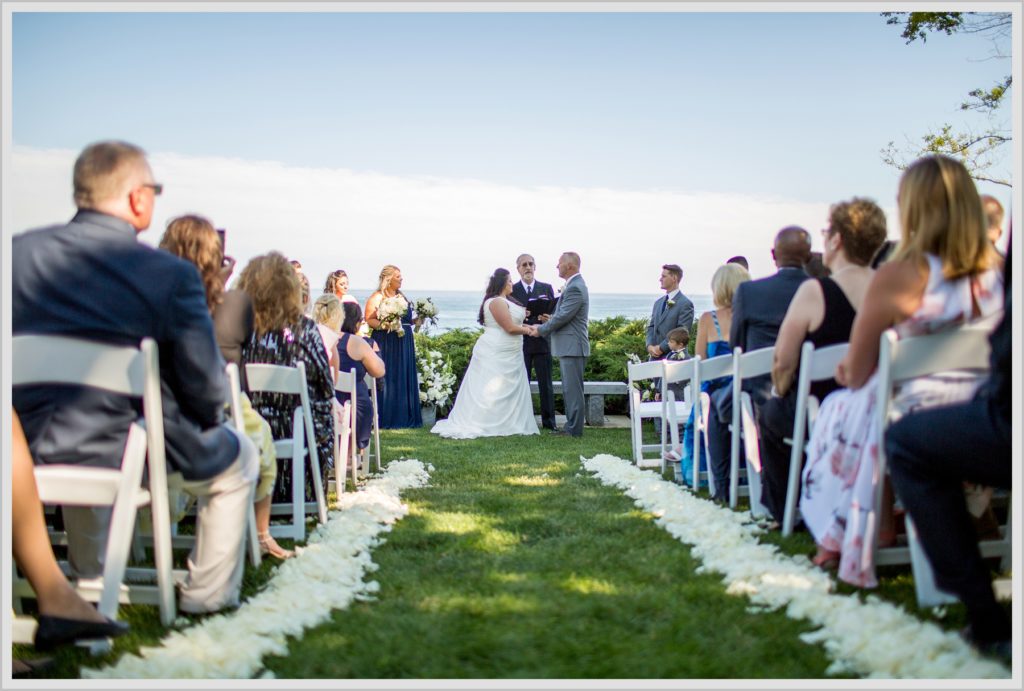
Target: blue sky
(780, 108)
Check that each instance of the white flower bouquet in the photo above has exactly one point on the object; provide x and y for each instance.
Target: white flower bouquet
(648, 390)
(390, 313)
(437, 382)
(426, 313)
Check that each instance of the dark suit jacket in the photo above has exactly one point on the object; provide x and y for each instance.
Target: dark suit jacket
(532, 344)
(758, 308)
(92, 279)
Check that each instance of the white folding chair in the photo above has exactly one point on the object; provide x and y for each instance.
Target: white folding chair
(374, 448)
(128, 371)
(706, 370)
(962, 349)
(672, 410)
(744, 427)
(815, 365)
(292, 380)
(346, 448)
(640, 410)
(235, 390)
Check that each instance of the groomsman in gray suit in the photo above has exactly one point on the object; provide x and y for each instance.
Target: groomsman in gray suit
(567, 329)
(672, 311)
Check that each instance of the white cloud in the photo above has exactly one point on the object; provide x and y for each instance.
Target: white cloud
(445, 234)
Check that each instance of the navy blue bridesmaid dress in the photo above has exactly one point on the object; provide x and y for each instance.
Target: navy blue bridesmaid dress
(399, 402)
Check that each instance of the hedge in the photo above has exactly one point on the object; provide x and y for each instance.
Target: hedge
(610, 341)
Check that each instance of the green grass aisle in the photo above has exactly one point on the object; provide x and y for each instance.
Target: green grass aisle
(514, 563)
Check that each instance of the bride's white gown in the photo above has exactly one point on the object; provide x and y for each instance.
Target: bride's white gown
(494, 398)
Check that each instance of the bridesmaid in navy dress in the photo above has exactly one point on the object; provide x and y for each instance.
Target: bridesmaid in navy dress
(399, 403)
(356, 352)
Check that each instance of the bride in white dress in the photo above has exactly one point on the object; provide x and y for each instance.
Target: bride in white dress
(494, 398)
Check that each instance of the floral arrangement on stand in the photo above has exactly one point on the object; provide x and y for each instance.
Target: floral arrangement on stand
(390, 313)
(436, 379)
(648, 390)
(426, 313)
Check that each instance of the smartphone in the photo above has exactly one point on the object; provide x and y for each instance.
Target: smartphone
(220, 234)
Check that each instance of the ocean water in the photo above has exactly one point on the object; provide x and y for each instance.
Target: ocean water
(458, 309)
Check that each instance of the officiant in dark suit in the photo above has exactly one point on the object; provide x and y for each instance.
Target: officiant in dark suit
(672, 311)
(536, 349)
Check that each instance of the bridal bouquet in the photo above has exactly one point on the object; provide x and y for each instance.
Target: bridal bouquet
(648, 390)
(390, 313)
(436, 379)
(426, 312)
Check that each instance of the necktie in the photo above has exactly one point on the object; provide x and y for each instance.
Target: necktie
(529, 290)
(664, 305)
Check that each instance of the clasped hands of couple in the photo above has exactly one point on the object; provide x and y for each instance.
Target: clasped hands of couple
(531, 329)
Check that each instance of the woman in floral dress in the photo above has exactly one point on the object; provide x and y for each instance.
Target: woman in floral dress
(944, 273)
(389, 314)
(285, 336)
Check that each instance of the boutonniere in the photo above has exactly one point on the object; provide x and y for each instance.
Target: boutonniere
(671, 303)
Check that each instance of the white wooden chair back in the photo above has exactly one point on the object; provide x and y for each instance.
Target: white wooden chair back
(640, 409)
(744, 427)
(706, 370)
(292, 380)
(675, 372)
(899, 360)
(815, 365)
(346, 448)
(128, 371)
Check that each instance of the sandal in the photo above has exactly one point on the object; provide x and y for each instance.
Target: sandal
(825, 560)
(268, 545)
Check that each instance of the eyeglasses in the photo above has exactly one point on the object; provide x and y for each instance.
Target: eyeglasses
(157, 188)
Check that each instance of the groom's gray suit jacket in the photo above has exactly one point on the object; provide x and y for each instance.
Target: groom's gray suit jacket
(567, 327)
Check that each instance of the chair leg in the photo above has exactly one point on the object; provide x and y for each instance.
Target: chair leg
(254, 541)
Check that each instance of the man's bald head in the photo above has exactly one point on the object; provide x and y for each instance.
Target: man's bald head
(792, 247)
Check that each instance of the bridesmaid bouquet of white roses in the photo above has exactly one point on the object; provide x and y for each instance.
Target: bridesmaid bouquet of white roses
(426, 313)
(436, 379)
(390, 313)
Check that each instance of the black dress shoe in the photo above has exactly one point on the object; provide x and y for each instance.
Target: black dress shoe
(554, 430)
(52, 632)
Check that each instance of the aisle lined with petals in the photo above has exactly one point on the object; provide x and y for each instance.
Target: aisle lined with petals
(328, 574)
(548, 558)
(868, 637)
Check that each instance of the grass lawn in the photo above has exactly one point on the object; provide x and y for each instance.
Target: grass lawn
(514, 563)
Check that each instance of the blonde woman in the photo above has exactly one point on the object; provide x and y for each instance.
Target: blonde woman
(194, 238)
(712, 341)
(399, 403)
(943, 273)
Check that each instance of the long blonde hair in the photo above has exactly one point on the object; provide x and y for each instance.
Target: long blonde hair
(941, 214)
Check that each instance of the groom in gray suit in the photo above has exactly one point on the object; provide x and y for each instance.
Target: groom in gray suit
(567, 329)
